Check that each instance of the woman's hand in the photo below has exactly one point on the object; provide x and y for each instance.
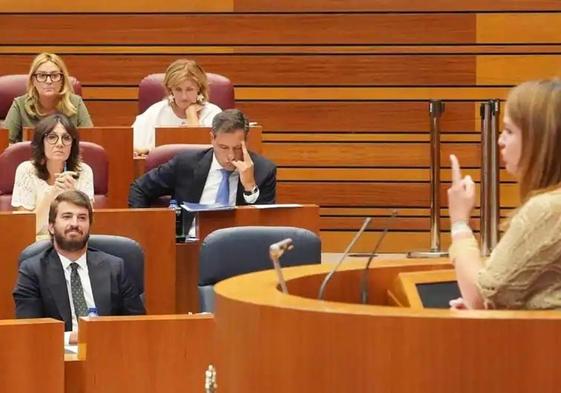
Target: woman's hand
(458, 304)
(461, 195)
(66, 181)
(192, 114)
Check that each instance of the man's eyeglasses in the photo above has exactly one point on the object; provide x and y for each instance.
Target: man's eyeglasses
(52, 139)
(42, 76)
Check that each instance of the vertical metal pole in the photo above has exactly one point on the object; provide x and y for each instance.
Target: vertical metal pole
(485, 113)
(494, 199)
(490, 173)
(436, 108)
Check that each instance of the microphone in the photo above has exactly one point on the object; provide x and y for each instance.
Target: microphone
(364, 277)
(275, 252)
(347, 250)
(280, 247)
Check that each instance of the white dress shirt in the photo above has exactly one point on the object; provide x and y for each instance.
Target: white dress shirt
(208, 197)
(86, 286)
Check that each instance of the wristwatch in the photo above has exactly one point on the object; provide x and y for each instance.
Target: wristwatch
(252, 191)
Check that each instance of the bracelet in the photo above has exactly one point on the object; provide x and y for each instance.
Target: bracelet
(460, 227)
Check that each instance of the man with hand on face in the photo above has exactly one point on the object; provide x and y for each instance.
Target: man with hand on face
(68, 278)
(227, 173)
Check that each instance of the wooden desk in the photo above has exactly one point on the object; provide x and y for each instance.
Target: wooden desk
(201, 136)
(167, 353)
(17, 232)
(154, 229)
(117, 143)
(271, 342)
(31, 356)
(3, 139)
(306, 216)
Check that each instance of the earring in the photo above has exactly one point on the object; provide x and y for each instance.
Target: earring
(200, 98)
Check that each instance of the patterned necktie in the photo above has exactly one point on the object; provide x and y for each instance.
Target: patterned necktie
(223, 194)
(80, 306)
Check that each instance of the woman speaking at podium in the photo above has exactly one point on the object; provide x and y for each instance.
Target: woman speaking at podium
(524, 269)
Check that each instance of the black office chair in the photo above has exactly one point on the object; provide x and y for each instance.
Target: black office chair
(233, 251)
(123, 247)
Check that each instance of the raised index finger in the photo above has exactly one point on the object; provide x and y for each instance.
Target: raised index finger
(456, 172)
(245, 152)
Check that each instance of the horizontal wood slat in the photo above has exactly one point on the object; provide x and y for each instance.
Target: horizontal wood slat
(368, 154)
(236, 29)
(357, 116)
(376, 174)
(116, 6)
(377, 194)
(381, 223)
(272, 70)
(336, 241)
(395, 5)
(327, 93)
(182, 50)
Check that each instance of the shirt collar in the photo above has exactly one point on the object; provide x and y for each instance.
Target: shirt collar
(82, 261)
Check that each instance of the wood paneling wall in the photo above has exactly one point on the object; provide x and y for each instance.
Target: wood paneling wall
(341, 88)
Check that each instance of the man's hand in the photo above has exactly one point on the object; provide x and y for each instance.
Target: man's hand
(245, 169)
(461, 195)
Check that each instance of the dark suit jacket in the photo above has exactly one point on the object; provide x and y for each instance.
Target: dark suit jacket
(41, 291)
(184, 177)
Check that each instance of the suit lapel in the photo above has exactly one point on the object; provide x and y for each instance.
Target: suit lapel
(100, 279)
(200, 174)
(57, 285)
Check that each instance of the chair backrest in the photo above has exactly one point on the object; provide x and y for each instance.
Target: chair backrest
(162, 154)
(12, 86)
(95, 156)
(123, 247)
(233, 251)
(152, 90)
(92, 154)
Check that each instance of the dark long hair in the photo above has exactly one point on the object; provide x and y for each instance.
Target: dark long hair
(42, 129)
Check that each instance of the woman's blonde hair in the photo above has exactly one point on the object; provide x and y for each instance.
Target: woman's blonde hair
(183, 69)
(64, 104)
(535, 108)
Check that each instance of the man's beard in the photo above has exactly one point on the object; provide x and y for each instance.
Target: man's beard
(71, 245)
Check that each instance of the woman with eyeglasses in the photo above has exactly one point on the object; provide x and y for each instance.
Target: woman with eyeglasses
(49, 90)
(55, 167)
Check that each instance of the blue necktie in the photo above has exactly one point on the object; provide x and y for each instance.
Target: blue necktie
(223, 194)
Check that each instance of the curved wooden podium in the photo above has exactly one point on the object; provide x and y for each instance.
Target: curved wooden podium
(294, 343)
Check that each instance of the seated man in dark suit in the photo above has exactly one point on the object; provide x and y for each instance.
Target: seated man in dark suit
(68, 278)
(226, 173)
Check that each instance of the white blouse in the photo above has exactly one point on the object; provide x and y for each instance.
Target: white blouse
(29, 188)
(161, 114)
